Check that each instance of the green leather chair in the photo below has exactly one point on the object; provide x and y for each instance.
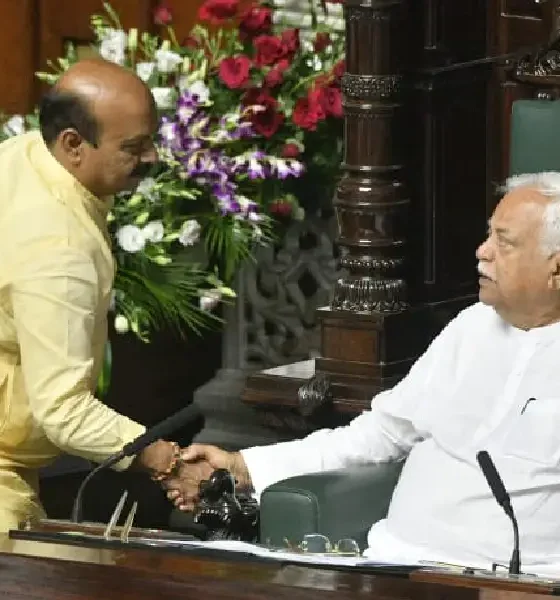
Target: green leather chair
(338, 504)
(341, 504)
(535, 136)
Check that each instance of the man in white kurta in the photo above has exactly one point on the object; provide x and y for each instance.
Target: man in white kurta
(490, 380)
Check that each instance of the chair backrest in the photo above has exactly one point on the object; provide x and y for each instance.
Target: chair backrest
(535, 136)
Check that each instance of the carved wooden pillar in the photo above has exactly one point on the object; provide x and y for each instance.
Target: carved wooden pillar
(371, 201)
(360, 328)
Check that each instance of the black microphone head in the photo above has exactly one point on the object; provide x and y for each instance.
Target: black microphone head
(163, 429)
(494, 480)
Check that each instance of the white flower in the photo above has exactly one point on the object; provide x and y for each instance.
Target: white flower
(299, 214)
(168, 132)
(237, 231)
(190, 233)
(257, 233)
(154, 231)
(201, 90)
(15, 125)
(145, 70)
(131, 238)
(146, 188)
(113, 45)
(315, 63)
(121, 324)
(164, 97)
(209, 299)
(167, 60)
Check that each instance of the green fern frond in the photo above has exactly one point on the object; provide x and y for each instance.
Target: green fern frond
(150, 296)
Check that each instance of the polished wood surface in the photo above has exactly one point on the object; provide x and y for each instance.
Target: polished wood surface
(30, 569)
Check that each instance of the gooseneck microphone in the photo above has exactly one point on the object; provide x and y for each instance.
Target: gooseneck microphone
(499, 492)
(159, 431)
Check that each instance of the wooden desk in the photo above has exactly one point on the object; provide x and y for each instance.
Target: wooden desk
(30, 569)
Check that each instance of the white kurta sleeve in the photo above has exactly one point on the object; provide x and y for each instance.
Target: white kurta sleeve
(385, 433)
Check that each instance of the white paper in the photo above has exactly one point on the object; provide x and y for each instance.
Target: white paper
(281, 555)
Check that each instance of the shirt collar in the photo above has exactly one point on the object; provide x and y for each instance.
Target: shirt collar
(544, 334)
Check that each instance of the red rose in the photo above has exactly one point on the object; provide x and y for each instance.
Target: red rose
(339, 69)
(265, 117)
(309, 111)
(331, 101)
(267, 122)
(234, 71)
(290, 41)
(290, 150)
(282, 209)
(255, 20)
(162, 14)
(217, 12)
(269, 50)
(276, 75)
(322, 41)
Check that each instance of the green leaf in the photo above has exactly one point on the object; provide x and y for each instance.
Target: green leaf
(112, 15)
(142, 218)
(151, 296)
(104, 381)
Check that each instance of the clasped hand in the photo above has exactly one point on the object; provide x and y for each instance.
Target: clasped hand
(199, 461)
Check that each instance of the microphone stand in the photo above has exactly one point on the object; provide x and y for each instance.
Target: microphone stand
(77, 506)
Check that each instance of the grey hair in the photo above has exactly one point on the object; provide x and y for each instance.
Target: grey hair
(547, 184)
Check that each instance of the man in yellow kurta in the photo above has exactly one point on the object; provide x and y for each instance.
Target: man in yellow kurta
(56, 274)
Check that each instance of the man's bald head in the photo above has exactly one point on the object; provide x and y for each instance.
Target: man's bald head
(95, 76)
(99, 119)
(85, 94)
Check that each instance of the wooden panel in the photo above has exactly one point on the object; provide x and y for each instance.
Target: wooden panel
(447, 116)
(17, 55)
(520, 23)
(184, 16)
(61, 21)
(338, 343)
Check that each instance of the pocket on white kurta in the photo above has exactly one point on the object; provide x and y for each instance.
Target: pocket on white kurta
(535, 434)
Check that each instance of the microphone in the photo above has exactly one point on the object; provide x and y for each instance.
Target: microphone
(499, 492)
(161, 430)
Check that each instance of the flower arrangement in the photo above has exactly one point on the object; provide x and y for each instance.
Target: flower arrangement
(248, 117)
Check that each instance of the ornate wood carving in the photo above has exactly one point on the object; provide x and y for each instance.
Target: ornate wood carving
(542, 66)
(371, 201)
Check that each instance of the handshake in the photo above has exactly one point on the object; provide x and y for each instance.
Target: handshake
(195, 464)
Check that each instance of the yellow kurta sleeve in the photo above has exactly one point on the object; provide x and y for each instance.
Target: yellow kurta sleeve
(55, 299)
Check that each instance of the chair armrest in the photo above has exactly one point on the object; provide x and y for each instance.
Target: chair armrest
(339, 504)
